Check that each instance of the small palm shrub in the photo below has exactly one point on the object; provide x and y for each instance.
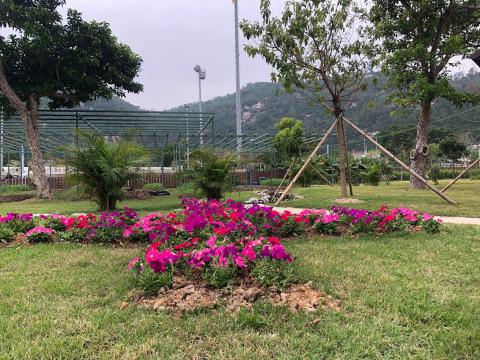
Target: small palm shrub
(211, 172)
(372, 175)
(104, 168)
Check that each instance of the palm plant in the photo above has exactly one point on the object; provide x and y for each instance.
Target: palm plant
(103, 167)
(211, 172)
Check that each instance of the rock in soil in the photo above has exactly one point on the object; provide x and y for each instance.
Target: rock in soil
(187, 295)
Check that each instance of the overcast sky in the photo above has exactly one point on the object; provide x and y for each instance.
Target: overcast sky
(172, 36)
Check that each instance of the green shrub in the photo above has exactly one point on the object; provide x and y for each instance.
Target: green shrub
(13, 189)
(6, 234)
(73, 235)
(104, 167)
(150, 282)
(273, 182)
(219, 277)
(273, 273)
(434, 174)
(372, 175)
(154, 187)
(210, 172)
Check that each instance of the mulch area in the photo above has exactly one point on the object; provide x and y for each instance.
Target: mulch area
(187, 295)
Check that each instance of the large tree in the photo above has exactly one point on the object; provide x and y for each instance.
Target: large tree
(317, 47)
(66, 61)
(420, 39)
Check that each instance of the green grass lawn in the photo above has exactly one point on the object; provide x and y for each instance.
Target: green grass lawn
(403, 296)
(466, 192)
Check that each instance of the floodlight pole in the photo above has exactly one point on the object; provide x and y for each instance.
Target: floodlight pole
(202, 74)
(238, 89)
(1, 149)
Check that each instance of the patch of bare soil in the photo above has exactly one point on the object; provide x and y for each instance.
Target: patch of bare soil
(187, 295)
(16, 197)
(348, 201)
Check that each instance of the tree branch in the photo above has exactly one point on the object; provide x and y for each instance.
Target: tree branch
(9, 93)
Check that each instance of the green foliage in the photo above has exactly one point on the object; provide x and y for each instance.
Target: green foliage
(66, 60)
(273, 182)
(308, 175)
(434, 174)
(73, 235)
(153, 186)
(14, 189)
(290, 137)
(431, 227)
(211, 172)
(150, 282)
(314, 45)
(273, 273)
(103, 167)
(372, 175)
(6, 233)
(419, 40)
(453, 149)
(219, 277)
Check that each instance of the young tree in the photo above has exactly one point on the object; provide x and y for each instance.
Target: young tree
(316, 46)
(66, 62)
(290, 137)
(453, 149)
(420, 39)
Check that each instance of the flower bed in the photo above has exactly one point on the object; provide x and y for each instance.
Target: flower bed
(212, 243)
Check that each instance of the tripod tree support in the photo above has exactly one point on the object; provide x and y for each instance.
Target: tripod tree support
(398, 161)
(286, 175)
(321, 175)
(309, 159)
(460, 176)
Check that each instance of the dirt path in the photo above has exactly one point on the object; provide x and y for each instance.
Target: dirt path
(446, 219)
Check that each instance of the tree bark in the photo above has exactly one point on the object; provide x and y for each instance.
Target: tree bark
(342, 156)
(29, 118)
(420, 154)
(28, 114)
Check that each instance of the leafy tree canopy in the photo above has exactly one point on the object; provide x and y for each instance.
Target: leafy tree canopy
(67, 61)
(290, 137)
(420, 38)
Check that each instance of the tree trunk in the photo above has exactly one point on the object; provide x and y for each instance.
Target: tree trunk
(420, 154)
(29, 118)
(342, 156)
(28, 115)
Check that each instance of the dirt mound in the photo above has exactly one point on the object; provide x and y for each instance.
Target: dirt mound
(187, 295)
(16, 197)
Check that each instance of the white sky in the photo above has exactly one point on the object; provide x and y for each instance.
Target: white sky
(172, 36)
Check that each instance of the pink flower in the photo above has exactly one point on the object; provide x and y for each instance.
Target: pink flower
(211, 241)
(133, 262)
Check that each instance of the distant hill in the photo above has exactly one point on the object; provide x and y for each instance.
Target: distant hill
(116, 104)
(265, 103)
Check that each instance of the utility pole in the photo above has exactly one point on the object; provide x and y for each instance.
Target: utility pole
(238, 95)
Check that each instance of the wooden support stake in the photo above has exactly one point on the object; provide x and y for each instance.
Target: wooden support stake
(398, 161)
(321, 175)
(309, 159)
(286, 174)
(460, 176)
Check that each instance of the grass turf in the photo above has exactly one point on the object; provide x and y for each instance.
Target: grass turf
(404, 296)
(466, 192)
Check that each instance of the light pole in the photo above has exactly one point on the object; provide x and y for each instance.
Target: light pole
(237, 69)
(202, 74)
